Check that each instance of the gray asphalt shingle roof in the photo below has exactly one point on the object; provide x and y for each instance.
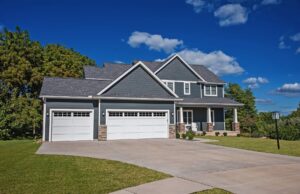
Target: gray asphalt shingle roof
(210, 101)
(54, 86)
(112, 71)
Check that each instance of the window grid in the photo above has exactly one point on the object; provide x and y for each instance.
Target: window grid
(145, 114)
(115, 114)
(62, 114)
(81, 114)
(210, 90)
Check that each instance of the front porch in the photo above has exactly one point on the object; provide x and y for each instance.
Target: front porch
(209, 119)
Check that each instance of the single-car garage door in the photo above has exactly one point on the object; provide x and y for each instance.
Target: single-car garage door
(132, 124)
(71, 125)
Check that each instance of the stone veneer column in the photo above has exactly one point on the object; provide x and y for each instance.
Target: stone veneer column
(210, 127)
(236, 127)
(102, 133)
(172, 131)
(181, 127)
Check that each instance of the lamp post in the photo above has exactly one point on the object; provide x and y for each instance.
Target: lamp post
(276, 116)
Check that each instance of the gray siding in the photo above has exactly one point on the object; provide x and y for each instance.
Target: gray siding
(71, 104)
(195, 90)
(219, 92)
(176, 70)
(200, 114)
(138, 84)
(154, 105)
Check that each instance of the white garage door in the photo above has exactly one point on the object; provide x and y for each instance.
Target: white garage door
(72, 125)
(127, 124)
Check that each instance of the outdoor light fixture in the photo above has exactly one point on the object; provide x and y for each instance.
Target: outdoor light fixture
(103, 114)
(276, 117)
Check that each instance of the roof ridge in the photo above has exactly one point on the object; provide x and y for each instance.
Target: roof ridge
(73, 78)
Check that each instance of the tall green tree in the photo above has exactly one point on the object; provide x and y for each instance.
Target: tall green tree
(23, 65)
(247, 113)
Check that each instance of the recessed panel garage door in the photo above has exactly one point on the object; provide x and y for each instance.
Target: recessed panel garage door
(72, 125)
(136, 124)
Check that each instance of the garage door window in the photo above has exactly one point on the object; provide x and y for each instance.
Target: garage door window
(130, 114)
(145, 114)
(62, 114)
(115, 114)
(81, 114)
(159, 114)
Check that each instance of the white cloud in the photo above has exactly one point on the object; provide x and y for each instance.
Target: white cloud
(295, 37)
(264, 101)
(153, 41)
(197, 4)
(282, 44)
(231, 14)
(118, 61)
(216, 61)
(289, 89)
(269, 2)
(298, 51)
(254, 82)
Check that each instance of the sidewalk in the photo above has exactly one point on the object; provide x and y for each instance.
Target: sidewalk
(172, 185)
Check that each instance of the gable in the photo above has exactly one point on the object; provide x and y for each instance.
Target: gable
(177, 70)
(138, 84)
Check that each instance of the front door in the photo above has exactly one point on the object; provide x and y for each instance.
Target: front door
(187, 118)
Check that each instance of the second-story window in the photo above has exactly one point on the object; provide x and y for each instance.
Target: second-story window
(170, 85)
(210, 90)
(186, 88)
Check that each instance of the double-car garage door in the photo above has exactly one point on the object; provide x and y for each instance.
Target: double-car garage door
(133, 124)
(72, 125)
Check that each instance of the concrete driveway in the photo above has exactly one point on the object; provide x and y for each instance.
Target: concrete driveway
(238, 171)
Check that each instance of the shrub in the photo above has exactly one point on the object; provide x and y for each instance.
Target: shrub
(190, 134)
(217, 133)
(258, 133)
(183, 136)
(224, 133)
(289, 133)
(204, 133)
(177, 135)
(238, 135)
(245, 135)
(5, 134)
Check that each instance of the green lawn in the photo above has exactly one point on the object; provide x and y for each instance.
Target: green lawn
(291, 148)
(213, 191)
(22, 171)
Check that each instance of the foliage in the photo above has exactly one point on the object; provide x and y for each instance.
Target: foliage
(23, 65)
(177, 135)
(217, 133)
(23, 171)
(224, 133)
(213, 191)
(203, 133)
(246, 113)
(190, 135)
(183, 136)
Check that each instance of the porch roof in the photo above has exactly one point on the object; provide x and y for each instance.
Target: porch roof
(210, 101)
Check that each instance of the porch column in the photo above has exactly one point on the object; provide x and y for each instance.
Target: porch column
(181, 124)
(235, 123)
(208, 122)
(180, 115)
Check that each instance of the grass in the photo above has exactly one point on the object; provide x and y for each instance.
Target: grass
(291, 148)
(213, 191)
(22, 171)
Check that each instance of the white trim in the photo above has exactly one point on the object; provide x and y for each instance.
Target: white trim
(212, 117)
(140, 63)
(201, 95)
(213, 83)
(68, 110)
(174, 116)
(189, 92)
(146, 99)
(210, 86)
(208, 115)
(224, 119)
(192, 115)
(102, 79)
(226, 104)
(99, 113)
(184, 62)
(117, 98)
(166, 83)
(170, 80)
(44, 119)
(139, 110)
(223, 91)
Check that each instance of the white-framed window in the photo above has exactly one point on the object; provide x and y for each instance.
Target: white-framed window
(187, 116)
(187, 88)
(210, 90)
(170, 85)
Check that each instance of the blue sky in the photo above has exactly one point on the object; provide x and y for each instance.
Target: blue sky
(253, 43)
